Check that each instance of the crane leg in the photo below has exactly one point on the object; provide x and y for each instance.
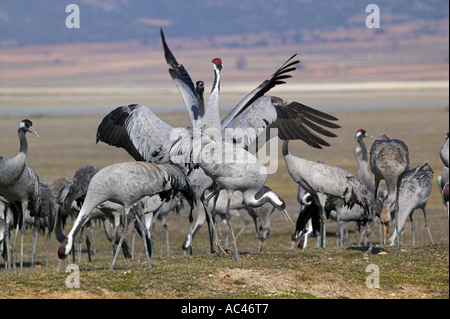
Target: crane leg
(124, 233)
(426, 224)
(228, 217)
(144, 238)
(397, 214)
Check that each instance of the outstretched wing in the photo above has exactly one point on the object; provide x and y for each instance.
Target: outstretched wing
(139, 131)
(182, 80)
(275, 79)
(251, 128)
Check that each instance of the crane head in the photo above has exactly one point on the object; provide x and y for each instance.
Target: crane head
(217, 63)
(361, 133)
(65, 248)
(27, 126)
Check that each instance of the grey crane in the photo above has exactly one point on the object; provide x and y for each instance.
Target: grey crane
(389, 160)
(442, 181)
(125, 184)
(71, 196)
(19, 183)
(324, 183)
(308, 220)
(6, 223)
(413, 194)
(236, 168)
(443, 153)
(108, 212)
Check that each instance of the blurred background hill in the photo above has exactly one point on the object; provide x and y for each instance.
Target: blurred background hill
(117, 50)
(223, 23)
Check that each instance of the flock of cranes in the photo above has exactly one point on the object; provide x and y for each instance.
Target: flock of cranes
(213, 159)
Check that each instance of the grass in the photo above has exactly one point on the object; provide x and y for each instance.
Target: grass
(414, 272)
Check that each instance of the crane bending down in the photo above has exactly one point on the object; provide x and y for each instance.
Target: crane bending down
(125, 184)
(389, 160)
(413, 193)
(324, 183)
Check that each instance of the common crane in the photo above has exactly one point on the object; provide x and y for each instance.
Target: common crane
(413, 194)
(326, 183)
(389, 160)
(19, 183)
(125, 184)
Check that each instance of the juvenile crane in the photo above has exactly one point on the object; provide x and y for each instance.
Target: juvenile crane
(389, 160)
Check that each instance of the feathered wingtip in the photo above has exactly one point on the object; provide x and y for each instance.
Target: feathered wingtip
(358, 194)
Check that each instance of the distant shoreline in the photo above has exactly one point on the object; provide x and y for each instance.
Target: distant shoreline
(166, 99)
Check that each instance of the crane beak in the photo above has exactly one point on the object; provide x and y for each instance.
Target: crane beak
(286, 216)
(32, 130)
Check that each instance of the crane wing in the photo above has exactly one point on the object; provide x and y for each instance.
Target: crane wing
(79, 186)
(275, 79)
(182, 80)
(251, 128)
(139, 131)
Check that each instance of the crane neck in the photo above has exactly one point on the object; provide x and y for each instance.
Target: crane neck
(363, 149)
(261, 197)
(212, 114)
(201, 102)
(23, 142)
(285, 148)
